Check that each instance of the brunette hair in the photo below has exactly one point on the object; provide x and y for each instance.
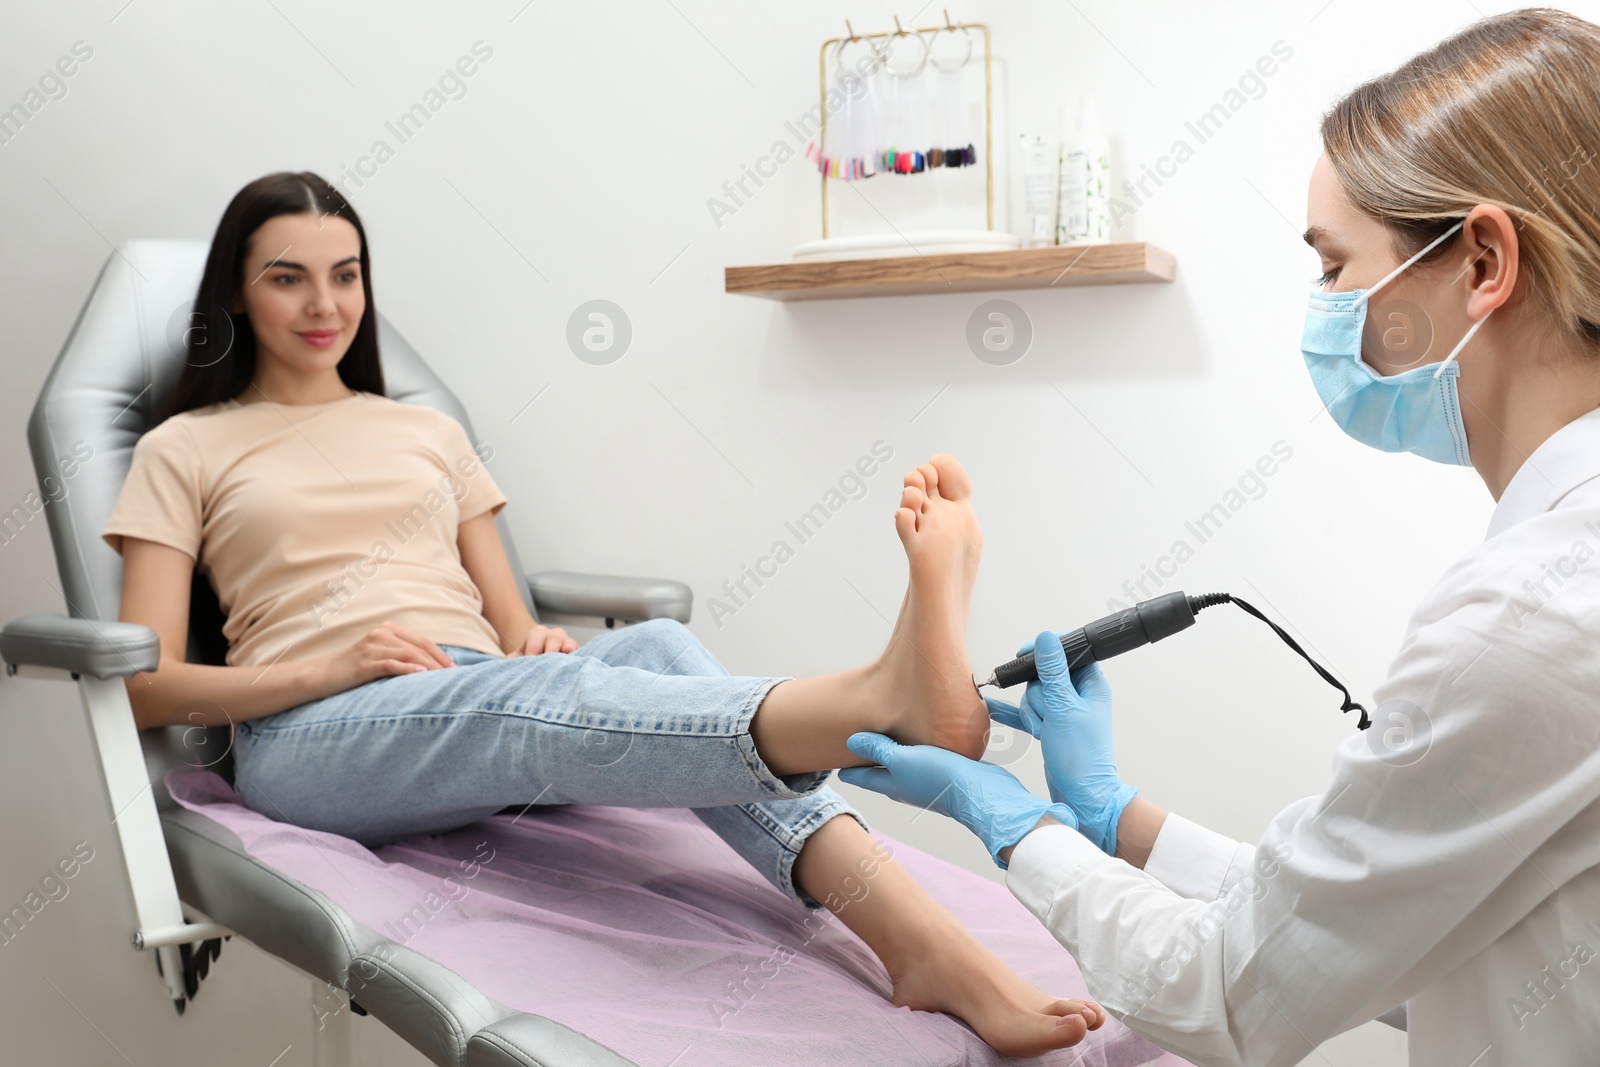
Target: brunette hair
(209, 379)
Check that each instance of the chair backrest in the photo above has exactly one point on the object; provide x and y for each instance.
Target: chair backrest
(113, 375)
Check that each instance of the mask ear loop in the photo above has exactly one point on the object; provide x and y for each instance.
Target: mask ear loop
(1387, 278)
(1462, 343)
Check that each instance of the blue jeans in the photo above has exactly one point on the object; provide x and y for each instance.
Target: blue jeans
(643, 716)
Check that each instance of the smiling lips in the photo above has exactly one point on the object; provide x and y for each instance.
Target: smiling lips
(318, 338)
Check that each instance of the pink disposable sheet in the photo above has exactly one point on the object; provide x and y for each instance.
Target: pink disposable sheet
(642, 929)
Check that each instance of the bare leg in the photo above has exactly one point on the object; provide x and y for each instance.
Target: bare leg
(920, 689)
(934, 963)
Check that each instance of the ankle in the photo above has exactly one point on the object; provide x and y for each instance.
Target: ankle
(881, 695)
(919, 938)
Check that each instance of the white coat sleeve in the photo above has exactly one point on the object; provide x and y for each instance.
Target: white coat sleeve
(1351, 901)
(1195, 862)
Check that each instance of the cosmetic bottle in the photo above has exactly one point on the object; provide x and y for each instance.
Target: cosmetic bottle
(1084, 215)
(1040, 159)
(1097, 181)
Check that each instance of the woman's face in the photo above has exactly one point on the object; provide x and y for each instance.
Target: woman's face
(301, 288)
(1415, 319)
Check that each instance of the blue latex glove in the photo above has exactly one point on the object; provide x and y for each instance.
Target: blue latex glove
(986, 799)
(1071, 716)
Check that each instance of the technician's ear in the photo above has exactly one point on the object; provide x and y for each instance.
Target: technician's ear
(1491, 273)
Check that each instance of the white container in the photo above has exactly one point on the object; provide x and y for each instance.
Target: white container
(1072, 220)
(1091, 146)
(1084, 216)
(1040, 174)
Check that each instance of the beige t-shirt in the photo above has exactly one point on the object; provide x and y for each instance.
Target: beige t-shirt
(316, 522)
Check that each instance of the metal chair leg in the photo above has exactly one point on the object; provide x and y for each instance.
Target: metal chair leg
(332, 1034)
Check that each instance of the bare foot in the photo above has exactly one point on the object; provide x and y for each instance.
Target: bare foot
(954, 973)
(925, 667)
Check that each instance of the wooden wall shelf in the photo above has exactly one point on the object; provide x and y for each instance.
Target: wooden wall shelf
(956, 272)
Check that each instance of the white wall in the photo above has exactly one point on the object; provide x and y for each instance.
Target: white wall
(578, 166)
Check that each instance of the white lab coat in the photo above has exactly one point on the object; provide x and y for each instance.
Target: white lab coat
(1464, 884)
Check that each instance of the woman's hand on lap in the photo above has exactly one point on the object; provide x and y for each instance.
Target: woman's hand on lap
(387, 649)
(542, 639)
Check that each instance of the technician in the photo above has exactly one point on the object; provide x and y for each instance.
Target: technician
(1452, 867)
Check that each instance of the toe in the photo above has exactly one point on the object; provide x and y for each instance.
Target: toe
(953, 482)
(913, 498)
(914, 478)
(1035, 1033)
(905, 524)
(930, 475)
(1067, 1030)
(1090, 1014)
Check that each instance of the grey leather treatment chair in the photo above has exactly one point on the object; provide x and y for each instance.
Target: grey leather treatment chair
(191, 881)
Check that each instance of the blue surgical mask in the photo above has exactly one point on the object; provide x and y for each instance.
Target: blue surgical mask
(1416, 411)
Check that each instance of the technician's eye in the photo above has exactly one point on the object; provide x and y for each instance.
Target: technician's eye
(285, 277)
(349, 275)
(1324, 279)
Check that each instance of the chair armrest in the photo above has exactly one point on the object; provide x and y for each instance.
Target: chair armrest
(82, 646)
(610, 596)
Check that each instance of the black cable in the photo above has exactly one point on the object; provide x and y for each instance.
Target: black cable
(1206, 600)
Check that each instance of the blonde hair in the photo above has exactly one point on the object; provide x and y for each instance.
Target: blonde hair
(1506, 112)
